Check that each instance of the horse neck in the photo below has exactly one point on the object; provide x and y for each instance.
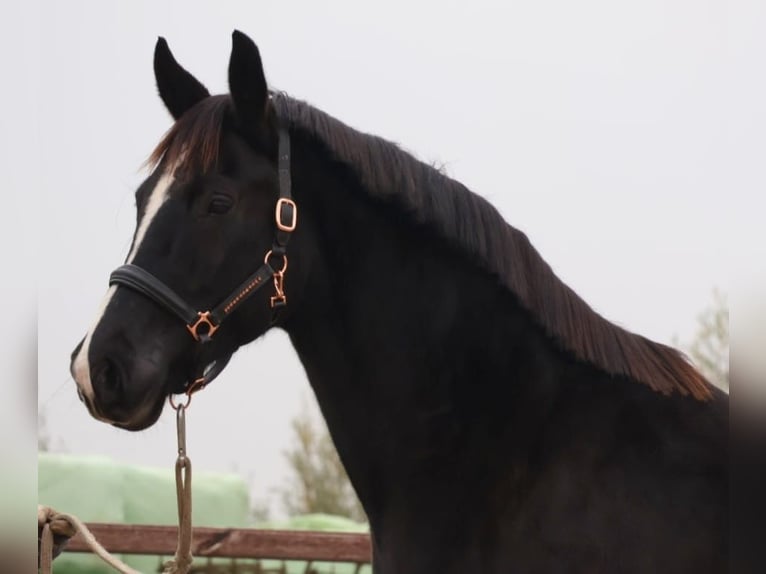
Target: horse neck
(414, 353)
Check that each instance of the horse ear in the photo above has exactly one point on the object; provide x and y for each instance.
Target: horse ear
(178, 89)
(247, 82)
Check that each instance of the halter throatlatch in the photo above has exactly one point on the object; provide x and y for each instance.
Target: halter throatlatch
(202, 325)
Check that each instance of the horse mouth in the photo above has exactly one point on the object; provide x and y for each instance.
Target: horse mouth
(147, 417)
(135, 427)
(142, 419)
(143, 422)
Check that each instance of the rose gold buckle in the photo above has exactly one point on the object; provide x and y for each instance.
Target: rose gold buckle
(282, 201)
(203, 319)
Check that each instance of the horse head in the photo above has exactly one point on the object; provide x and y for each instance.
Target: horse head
(213, 221)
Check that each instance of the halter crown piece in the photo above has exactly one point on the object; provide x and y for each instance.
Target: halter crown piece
(202, 325)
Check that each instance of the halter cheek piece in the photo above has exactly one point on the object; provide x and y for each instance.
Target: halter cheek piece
(202, 325)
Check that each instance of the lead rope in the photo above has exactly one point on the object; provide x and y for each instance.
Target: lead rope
(67, 525)
(182, 561)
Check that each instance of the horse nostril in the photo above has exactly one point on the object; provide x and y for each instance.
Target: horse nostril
(107, 383)
(80, 394)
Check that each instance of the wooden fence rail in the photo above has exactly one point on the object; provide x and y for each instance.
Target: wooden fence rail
(230, 543)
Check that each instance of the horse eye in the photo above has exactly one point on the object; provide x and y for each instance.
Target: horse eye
(219, 204)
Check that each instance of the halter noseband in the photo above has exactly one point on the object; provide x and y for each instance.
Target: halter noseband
(202, 325)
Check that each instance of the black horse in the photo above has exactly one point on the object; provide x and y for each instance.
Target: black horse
(490, 421)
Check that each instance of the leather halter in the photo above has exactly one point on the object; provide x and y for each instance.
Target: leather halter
(202, 325)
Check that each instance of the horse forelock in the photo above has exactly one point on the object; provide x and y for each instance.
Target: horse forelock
(192, 144)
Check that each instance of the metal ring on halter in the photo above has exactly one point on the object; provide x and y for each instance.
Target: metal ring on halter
(284, 260)
(197, 385)
(179, 405)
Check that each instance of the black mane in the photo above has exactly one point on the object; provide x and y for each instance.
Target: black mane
(469, 223)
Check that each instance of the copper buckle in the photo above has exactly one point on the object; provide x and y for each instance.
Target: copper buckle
(282, 201)
(202, 319)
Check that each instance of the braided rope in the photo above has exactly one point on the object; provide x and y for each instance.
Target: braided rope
(67, 525)
(53, 522)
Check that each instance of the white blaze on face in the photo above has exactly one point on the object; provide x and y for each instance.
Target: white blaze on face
(156, 199)
(81, 367)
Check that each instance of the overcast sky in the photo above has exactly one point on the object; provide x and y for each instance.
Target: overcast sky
(621, 137)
